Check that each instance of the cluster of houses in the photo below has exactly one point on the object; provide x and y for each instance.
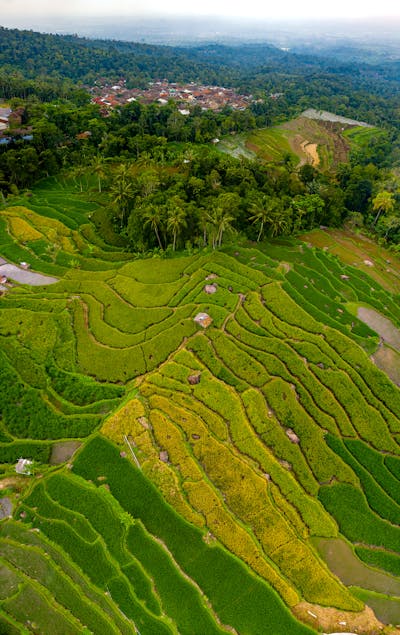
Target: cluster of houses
(4, 116)
(185, 95)
(11, 125)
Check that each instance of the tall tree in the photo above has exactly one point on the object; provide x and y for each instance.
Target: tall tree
(176, 219)
(383, 203)
(152, 215)
(98, 168)
(279, 222)
(122, 192)
(262, 209)
(309, 207)
(221, 220)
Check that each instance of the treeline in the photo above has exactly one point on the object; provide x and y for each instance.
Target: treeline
(67, 133)
(211, 194)
(84, 60)
(14, 84)
(357, 90)
(202, 196)
(171, 189)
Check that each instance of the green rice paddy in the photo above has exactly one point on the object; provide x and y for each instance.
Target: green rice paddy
(210, 460)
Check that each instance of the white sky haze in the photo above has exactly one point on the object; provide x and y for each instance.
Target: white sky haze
(252, 9)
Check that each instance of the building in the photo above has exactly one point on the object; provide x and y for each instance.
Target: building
(23, 467)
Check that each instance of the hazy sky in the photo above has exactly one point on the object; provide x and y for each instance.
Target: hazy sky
(257, 9)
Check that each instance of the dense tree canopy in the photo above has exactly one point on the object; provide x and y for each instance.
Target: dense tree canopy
(165, 184)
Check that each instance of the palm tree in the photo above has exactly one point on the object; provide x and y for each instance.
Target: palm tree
(176, 221)
(212, 218)
(203, 224)
(221, 220)
(144, 160)
(97, 166)
(279, 222)
(262, 209)
(152, 216)
(148, 183)
(122, 192)
(382, 203)
(123, 171)
(78, 173)
(225, 223)
(3, 185)
(391, 223)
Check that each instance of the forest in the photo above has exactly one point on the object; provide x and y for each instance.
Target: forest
(166, 184)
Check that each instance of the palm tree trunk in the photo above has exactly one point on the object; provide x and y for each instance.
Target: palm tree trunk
(260, 232)
(158, 236)
(377, 217)
(174, 244)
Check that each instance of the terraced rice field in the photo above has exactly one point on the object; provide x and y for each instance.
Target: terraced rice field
(321, 143)
(208, 461)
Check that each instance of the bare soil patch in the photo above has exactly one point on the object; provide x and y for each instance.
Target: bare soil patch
(336, 621)
(63, 451)
(5, 507)
(17, 483)
(320, 141)
(311, 151)
(382, 325)
(388, 360)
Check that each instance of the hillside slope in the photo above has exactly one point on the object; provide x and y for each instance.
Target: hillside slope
(320, 142)
(218, 467)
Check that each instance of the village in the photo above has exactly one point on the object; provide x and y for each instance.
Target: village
(13, 119)
(185, 95)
